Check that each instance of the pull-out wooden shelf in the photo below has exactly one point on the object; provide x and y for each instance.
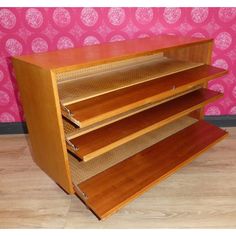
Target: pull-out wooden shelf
(72, 130)
(102, 107)
(111, 189)
(90, 82)
(83, 170)
(120, 132)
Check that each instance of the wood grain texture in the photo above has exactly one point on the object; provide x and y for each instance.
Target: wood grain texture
(195, 53)
(43, 117)
(97, 54)
(88, 85)
(96, 109)
(110, 190)
(208, 57)
(200, 195)
(120, 132)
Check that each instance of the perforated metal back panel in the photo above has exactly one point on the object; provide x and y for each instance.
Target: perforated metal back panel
(107, 67)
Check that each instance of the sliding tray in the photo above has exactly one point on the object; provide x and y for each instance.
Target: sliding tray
(72, 130)
(113, 135)
(111, 189)
(90, 111)
(79, 85)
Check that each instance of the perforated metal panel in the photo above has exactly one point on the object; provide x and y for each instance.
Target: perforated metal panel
(87, 71)
(69, 128)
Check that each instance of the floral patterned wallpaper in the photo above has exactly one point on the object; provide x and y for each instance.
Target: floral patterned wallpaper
(34, 30)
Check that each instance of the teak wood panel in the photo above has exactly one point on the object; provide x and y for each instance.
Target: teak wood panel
(107, 52)
(196, 53)
(102, 107)
(82, 87)
(116, 186)
(43, 117)
(120, 132)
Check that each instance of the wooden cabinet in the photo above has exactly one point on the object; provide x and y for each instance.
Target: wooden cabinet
(109, 121)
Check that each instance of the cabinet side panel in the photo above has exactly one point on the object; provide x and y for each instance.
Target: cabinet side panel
(196, 53)
(41, 106)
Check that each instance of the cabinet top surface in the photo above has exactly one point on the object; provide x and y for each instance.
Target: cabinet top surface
(107, 52)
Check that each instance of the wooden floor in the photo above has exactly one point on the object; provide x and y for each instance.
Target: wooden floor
(201, 195)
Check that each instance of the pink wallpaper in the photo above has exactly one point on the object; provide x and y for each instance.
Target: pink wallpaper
(34, 30)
